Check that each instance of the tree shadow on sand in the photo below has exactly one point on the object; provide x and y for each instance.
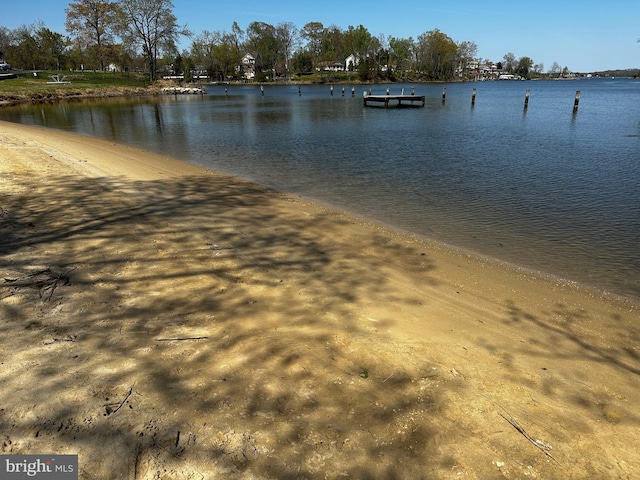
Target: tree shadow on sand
(204, 331)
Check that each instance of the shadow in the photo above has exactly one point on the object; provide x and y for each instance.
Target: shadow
(566, 338)
(203, 330)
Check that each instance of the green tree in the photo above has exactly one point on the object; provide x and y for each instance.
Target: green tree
(38, 48)
(360, 42)
(151, 26)
(53, 46)
(5, 41)
(92, 22)
(262, 40)
(334, 48)
(314, 34)
(401, 52)
(25, 49)
(303, 63)
(436, 55)
(524, 66)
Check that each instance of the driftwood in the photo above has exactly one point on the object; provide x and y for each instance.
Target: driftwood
(538, 443)
(179, 339)
(70, 338)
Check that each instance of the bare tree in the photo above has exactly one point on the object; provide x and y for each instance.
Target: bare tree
(509, 62)
(150, 25)
(555, 69)
(467, 52)
(287, 35)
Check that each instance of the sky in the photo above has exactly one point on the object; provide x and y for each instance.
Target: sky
(583, 35)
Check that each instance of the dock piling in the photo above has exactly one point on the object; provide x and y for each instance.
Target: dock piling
(473, 98)
(576, 102)
(526, 98)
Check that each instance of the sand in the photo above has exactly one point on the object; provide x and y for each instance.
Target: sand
(161, 320)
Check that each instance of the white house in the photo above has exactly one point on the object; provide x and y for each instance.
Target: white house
(330, 67)
(248, 65)
(351, 62)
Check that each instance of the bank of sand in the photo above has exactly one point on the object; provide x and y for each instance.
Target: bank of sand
(165, 321)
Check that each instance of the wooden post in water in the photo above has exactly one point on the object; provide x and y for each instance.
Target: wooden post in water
(262, 90)
(387, 90)
(299, 91)
(576, 102)
(473, 97)
(413, 91)
(332, 90)
(444, 94)
(526, 98)
(343, 91)
(353, 91)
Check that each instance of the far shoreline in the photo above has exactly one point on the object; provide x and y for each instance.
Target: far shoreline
(72, 93)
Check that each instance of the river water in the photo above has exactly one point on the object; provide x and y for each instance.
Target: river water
(548, 188)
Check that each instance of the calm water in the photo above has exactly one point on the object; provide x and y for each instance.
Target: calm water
(545, 188)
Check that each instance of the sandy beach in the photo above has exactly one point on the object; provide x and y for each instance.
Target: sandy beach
(161, 320)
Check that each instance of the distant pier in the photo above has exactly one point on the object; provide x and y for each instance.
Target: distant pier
(387, 101)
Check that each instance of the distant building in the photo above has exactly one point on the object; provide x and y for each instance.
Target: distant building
(248, 66)
(330, 67)
(351, 62)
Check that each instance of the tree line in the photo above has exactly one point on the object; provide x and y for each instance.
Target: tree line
(143, 35)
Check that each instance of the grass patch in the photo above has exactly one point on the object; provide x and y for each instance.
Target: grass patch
(28, 87)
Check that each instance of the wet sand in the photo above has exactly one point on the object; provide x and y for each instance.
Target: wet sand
(163, 320)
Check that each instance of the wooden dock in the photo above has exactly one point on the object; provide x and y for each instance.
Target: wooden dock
(387, 101)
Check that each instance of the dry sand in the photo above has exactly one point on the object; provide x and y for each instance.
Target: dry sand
(165, 321)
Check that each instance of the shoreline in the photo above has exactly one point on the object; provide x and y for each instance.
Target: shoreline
(250, 333)
(613, 276)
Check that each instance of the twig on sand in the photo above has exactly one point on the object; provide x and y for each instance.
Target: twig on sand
(179, 339)
(70, 338)
(538, 443)
(109, 406)
(46, 281)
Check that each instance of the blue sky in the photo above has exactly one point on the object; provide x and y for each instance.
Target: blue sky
(583, 35)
